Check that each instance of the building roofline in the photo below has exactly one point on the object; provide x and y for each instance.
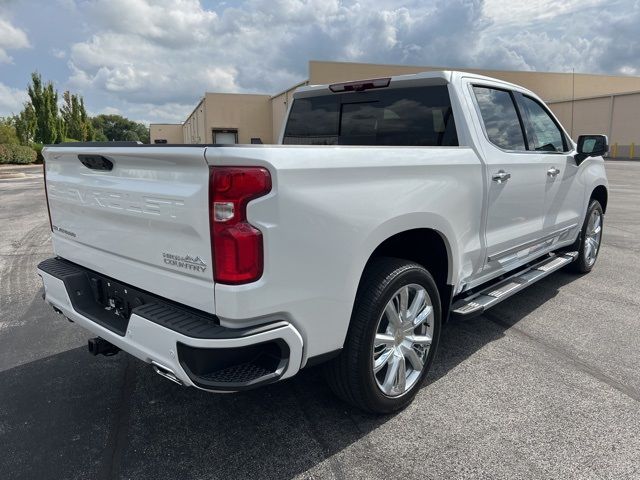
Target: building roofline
(238, 93)
(297, 85)
(194, 110)
(594, 97)
(471, 69)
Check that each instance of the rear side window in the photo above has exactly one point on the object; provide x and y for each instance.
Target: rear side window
(500, 118)
(542, 132)
(417, 116)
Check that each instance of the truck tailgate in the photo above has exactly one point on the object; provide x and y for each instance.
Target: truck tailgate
(144, 222)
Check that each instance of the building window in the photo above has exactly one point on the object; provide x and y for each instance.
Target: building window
(225, 136)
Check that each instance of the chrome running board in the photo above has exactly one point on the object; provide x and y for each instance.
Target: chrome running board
(476, 303)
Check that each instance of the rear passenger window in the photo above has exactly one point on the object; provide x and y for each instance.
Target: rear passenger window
(542, 132)
(415, 116)
(500, 118)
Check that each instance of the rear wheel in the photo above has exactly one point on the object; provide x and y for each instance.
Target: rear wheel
(392, 337)
(588, 243)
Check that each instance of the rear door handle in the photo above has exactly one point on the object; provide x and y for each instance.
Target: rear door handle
(553, 171)
(501, 176)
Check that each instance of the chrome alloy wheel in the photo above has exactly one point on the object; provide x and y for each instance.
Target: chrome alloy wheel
(593, 235)
(403, 338)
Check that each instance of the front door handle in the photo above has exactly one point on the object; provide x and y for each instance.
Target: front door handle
(501, 176)
(553, 171)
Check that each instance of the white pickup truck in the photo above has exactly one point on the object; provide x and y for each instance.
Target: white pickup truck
(389, 206)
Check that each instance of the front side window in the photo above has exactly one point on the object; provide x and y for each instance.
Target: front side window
(500, 118)
(415, 116)
(542, 132)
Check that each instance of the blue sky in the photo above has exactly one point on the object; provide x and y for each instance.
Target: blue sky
(152, 60)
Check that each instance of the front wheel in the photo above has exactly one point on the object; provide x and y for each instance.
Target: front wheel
(588, 243)
(392, 337)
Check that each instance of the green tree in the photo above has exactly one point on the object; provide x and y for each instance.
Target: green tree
(119, 128)
(44, 99)
(76, 120)
(86, 122)
(8, 133)
(99, 136)
(25, 124)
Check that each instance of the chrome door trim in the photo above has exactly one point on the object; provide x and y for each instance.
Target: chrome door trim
(531, 243)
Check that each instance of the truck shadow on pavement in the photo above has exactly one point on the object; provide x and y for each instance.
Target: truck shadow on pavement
(72, 415)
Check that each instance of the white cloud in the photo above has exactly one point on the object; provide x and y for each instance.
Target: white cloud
(58, 53)
(111, 111)
(153, 59)
(167, 113)
(11, 38)
(11, 100)
(525, 12)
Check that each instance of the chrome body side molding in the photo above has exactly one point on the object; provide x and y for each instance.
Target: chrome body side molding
(538, 243)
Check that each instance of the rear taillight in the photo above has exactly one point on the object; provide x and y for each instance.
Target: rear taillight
(236, 244)
(46, 193)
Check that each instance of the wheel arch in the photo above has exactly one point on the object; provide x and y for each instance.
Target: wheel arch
(601, 194)
(428, 247)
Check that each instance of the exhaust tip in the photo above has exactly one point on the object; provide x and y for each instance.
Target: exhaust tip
(165, 372)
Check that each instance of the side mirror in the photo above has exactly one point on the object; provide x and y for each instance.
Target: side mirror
(591, 146)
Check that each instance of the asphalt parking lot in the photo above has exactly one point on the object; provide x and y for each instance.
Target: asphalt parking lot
(546, 385)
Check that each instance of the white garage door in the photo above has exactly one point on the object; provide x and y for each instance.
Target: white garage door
(224, 137)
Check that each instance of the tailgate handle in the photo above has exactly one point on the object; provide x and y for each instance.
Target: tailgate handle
(96, 162)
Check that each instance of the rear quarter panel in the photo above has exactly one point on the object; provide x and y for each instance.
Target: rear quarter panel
(329, 209)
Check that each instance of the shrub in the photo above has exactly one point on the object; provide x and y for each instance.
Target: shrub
(23, 155)
(7, 131)
(38, 148)
(11, 153)
(6, 155)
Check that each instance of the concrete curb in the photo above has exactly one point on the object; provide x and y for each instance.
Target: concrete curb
(16, 166)
(7, 175)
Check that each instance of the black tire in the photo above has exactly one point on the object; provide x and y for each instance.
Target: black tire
(581, 263)
(350, 375)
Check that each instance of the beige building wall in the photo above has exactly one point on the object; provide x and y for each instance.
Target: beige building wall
(249, 114)
(625, 125)
(194, 127)
(171, 132)
(552, 87)
(279, 108)
(603, 103)
(590, 115)
(617, 116)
